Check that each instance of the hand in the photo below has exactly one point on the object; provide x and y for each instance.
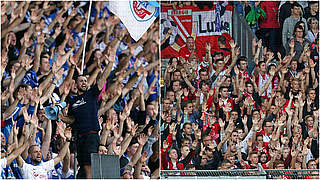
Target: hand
(226, 58)
(312, 64)
(198, 133)
(233, 44)
(150, 130)
(134, 130)
(122, 116)
(221, 123)
(236, 70)
(172, 127)
(254, 42)
(41, 39)
(260, 43)
(249, 142)
(245, 120)
(237, 52)
(291, 44)
(284, 70)
(143, 157)
(142, 139)
(294, 152)
(58, 75)
(208, 47)
(307, 70)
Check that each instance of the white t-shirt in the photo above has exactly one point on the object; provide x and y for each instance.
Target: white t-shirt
(3, 164)
(39, 171)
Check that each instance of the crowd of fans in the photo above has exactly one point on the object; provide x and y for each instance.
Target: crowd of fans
(50, 55)
(225, 116)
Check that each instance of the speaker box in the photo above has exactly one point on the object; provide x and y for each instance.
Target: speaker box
(105, 166)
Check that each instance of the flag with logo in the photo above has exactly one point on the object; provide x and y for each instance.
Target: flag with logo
(137, 16)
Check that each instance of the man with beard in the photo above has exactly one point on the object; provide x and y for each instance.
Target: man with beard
(83, 110)
(37, 168)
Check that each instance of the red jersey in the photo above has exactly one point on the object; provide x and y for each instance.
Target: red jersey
(185, 53)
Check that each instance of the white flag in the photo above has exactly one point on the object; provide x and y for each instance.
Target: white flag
(137, 16)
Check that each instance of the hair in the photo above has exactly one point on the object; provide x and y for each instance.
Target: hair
(202, 83)
(185, 124)
(155, 146)
(242, 58)
(225, 161)
(310, 161)
(222, 87)
(277, 162)
(298, 26)
(260, 62)
(185, 139)
(295, 4)
(190, 37)
(202, 70)
(171, 59)
(44, 55)
(254, 110)
(294, 60)
(265, 122)
(177, 70)
(259, 135)
(249, 82)
(15, 93)
(311, 19)
(310, 89)
(222, 39)
(307, 116)
(219, 60)
(252, 153)
(31, 148)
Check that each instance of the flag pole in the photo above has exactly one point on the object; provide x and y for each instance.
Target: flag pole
(85, 39)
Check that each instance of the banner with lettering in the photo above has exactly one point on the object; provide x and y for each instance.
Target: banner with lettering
(204, 25)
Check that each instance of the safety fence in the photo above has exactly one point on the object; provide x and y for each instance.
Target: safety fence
(258, 173)
(292, 173)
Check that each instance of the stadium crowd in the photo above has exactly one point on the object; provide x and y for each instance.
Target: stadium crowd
(217, 113)
(107, 81)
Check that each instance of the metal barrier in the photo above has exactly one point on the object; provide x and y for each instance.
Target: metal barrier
(258, 173)
(292, 173)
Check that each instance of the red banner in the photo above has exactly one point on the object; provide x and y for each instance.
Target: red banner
(203, 25)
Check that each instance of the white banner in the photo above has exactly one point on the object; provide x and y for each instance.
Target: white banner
(207, 25)
(137, 16)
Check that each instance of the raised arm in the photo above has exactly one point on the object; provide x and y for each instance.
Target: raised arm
(46, 143)
(109, 60)
(63, 152)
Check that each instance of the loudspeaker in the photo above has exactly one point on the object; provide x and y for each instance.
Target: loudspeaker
(105, 166)
(53, 111)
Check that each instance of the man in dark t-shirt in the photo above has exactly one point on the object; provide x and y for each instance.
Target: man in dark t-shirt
(83, 114)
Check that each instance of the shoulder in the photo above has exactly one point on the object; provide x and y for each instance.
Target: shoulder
(48, 164)
(3, 162)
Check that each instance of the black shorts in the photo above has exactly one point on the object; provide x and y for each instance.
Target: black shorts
(87, 144)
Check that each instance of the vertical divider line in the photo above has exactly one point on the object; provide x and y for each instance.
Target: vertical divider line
(85, 39)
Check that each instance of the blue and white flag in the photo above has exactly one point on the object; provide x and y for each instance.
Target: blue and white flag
(137, 16)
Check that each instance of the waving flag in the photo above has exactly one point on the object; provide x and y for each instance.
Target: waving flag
(137, 16)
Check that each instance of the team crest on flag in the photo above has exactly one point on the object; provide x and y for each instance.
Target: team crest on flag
(142, 10)
(136, 16)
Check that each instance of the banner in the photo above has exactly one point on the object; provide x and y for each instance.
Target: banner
(137, 16)
(204, 25)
